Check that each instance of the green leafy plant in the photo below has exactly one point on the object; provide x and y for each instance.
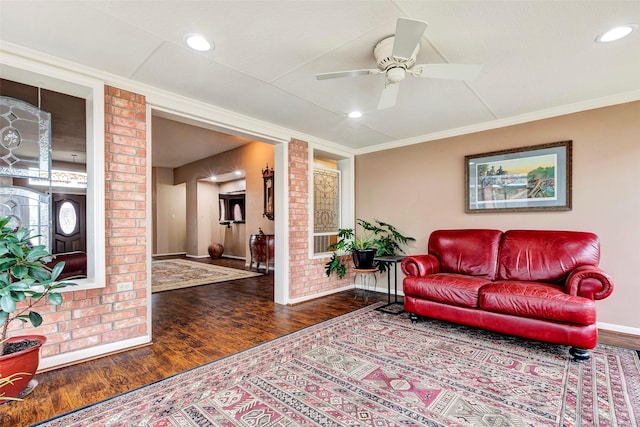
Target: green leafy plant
(25, 279)
(378, 235)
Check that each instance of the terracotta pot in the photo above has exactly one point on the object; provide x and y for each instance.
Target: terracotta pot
(22, 361)
(215, 250)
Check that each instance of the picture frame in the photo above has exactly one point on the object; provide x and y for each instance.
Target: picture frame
(526, 179)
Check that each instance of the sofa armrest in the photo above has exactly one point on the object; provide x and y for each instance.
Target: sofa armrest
(589, 282)
(420, 265)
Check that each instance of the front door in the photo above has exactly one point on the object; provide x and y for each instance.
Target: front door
(69, 223)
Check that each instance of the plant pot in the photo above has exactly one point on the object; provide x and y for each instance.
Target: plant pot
(363, 258)
(22, 361)
(215, 250)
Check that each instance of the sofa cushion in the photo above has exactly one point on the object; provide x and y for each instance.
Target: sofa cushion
(472, 252)
(537, 300)
(545, 256)
(446, 288)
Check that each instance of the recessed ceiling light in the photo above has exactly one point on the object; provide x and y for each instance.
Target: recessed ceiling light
(198, 42)
(355, 114)
(616, 33)
(213, 178)
(238, 172)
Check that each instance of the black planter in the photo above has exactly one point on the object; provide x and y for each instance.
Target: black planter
(363, 258)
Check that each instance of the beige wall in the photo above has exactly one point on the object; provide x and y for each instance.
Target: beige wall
(170, 228)
(420, 188)
(251, 158)
(207, 220)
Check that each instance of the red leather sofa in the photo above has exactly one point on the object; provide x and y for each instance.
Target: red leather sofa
(533, 284)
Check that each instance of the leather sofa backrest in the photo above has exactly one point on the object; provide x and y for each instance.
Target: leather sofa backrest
(473, 252)
(549, 256)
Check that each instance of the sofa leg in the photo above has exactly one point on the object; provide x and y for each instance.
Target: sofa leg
(413, 317)
(579, 354)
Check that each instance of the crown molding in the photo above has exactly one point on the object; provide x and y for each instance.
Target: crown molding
(249, 127)
(619, 98)
(169, 102)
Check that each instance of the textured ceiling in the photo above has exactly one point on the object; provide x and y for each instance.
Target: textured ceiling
(536, 56)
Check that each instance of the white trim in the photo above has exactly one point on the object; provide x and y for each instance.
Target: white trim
(311, 199)
(149, 223)
(162, 100)
(197, 256)
(169, 254)
(34, 72)
(85, 354)
(321, 294)
(241, 125)
(618, 328)
(562, 110)
(281, 243)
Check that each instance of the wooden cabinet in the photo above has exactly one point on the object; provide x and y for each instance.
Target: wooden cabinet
(262, 250)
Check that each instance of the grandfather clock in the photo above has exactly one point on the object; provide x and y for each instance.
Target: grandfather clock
(267, 176)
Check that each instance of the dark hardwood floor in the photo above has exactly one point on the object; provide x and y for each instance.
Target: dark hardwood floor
(191, 327)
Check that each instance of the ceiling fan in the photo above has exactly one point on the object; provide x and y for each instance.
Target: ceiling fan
(396, 57)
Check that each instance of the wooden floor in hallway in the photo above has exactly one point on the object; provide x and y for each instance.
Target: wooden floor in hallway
(191, 327)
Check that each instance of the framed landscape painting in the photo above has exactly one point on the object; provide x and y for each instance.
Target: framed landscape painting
(534, 178)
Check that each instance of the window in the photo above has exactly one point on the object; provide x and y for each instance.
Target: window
(36, 74)
(63, 178)
(68, 218)
(326, 208)
(331, 186)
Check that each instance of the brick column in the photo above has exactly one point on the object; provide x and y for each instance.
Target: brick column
(306, 274)
(126, 214)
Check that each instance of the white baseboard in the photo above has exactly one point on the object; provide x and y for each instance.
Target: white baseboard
(207, 256)
(84, 355)
(322, 294)
(618, 328)
(170, 254)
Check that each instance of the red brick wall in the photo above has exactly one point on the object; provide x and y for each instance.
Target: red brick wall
(125, 215)
(119, 310)
(306, 275)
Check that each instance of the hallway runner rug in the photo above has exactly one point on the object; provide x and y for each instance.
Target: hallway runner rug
(172, 274)
(369, 368)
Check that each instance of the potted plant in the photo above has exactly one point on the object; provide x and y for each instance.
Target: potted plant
(25, 281)
(376, 238)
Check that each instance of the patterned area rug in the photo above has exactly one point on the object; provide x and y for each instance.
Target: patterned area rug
(369, 368)
(180, 273)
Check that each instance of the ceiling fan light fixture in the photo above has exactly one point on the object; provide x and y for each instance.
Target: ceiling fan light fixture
(396, 74)
(355, 114)
(198, 42)
(616, 33)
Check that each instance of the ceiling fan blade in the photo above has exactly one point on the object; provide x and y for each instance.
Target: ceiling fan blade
(350, 73)
(408, 34)
(446, 71)
(389, 96)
